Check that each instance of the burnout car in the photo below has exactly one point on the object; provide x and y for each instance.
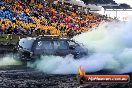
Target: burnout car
(29, 49)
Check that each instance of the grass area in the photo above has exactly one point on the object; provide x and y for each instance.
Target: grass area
(13, 40)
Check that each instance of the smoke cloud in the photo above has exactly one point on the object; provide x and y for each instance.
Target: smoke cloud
(111, 44)
(8, 60)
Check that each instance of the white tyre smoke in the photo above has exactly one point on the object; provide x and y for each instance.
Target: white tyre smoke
(112, 47)
(9, 60)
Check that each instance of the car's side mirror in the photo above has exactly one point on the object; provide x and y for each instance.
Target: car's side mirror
(72, 47)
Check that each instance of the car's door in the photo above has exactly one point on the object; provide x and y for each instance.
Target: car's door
(60, 47)
(44, 47)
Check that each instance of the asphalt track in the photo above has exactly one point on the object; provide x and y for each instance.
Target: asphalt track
(21, 76)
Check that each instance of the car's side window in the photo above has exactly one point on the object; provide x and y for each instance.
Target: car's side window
(44, 45)
(47, 45)
(60, 44)
(39, 45)
(56, 45)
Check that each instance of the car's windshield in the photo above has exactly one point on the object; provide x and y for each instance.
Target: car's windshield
(72, 43)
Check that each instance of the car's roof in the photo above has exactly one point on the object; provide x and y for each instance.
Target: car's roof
(52, 37)
(44, 38)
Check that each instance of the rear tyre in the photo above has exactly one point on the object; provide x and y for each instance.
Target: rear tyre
(17, 57)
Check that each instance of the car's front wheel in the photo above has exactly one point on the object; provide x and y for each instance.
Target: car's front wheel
(79, 55)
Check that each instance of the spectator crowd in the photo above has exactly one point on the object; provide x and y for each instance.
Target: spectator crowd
(33, 19)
